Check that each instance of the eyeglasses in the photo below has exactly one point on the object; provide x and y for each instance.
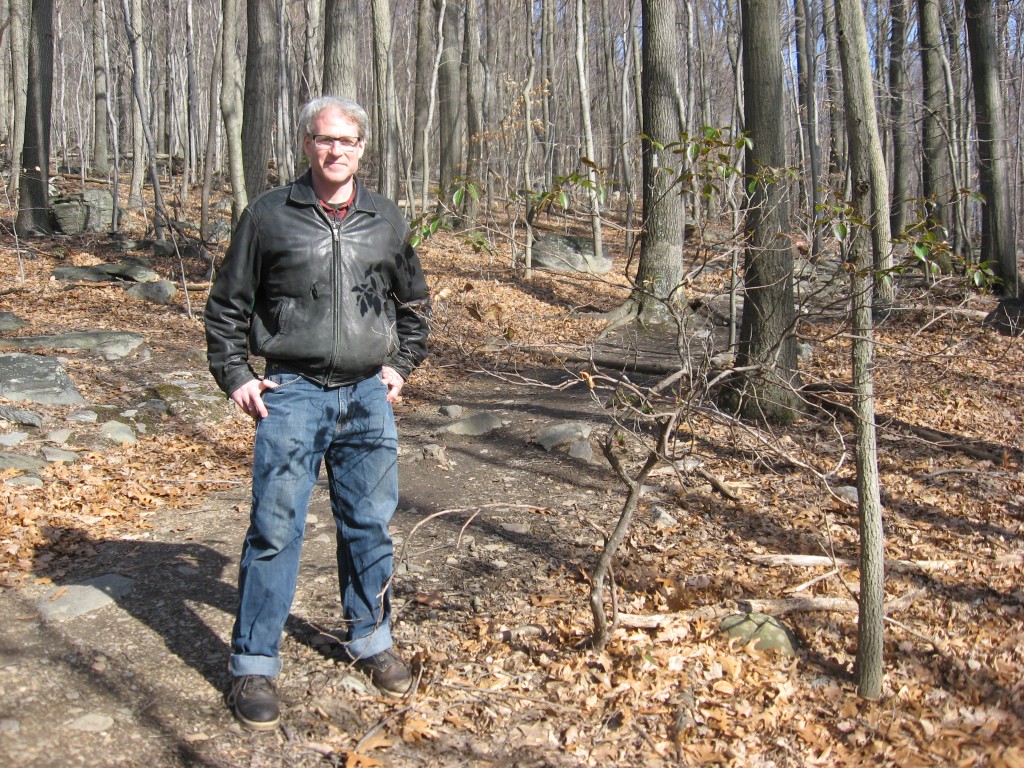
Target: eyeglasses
(346, 143)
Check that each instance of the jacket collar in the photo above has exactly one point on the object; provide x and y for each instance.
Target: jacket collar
(302, 193)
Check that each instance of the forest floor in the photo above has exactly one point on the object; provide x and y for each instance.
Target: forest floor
(497, 540)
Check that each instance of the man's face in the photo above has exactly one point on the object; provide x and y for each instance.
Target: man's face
(333, 164)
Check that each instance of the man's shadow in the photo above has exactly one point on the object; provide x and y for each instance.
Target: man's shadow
(166, 580)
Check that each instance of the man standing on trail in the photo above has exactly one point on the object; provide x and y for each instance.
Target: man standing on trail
(320, 279)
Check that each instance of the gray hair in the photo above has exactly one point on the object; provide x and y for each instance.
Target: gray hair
(347, 107)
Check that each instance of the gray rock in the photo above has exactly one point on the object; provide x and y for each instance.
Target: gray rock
(10, 322)
(92, 723)
(37, 379)
(163, 248)
(562, 434)
(477, 425)
(25, 481)
(118, 432)
(55, 455)
(568, 253)
(435, 452)
(766, 632)
(192, 401)
(9, 725)
(159, 292)
(20, 417)
(451, 411)
(663, 519)
(12, 439)
(107, 273)
(847, 492)
(582, 450)
(59, 436)
(73, 600)
(521, 528)
(84, 417)
(88, 211)
(107, 343)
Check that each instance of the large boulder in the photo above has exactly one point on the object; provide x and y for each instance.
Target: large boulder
(37, 379)
(568, 253)
(88, 211)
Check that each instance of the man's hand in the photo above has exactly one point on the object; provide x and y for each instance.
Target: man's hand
(393, 381)
(249, 397)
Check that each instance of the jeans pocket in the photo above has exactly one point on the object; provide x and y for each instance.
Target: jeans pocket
(282, 379)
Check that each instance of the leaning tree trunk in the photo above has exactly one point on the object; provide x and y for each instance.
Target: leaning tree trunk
(859, 103)
(997, 237)
(766, 342)
(259, 103)
(33, 194)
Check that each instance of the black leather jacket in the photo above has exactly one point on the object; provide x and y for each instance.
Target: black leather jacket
(331, 301)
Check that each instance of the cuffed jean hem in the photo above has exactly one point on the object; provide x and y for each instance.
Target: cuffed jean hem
(363, 647)
(266, 666)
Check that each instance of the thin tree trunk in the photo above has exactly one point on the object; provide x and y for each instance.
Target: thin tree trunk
(211, 143)
(449, 90)
(231, 106)
(935, 135)
(312, 50)
(386, 103)
(135, 201)
(160, 219)
(474, 114)
(19, 75)
(860, 117)
(593, 191)
(901, 168)
(423, 91)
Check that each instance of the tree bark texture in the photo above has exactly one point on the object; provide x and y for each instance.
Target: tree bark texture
(33, 194)
(936, 172)
(997, 235)
(259, 103)
(340, 46)
(658, 292)
(231, 106)
(859, 103)
(766, 329)
(20, 24)
(100, 157)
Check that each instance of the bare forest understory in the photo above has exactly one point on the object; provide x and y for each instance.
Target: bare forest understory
(498, 539)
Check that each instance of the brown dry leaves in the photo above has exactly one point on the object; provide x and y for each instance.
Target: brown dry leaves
(514, 682)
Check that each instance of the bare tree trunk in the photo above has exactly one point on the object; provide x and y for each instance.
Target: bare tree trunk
(287, 148)
(449, 99)
(422, 93)
(191, 164)
(160, 218)
(997, 236)
(901, 167)
(860, 117)
(211, 143)
(138, 177)
(807, 79)
(658, 291)
(231, 106)
(386, 103)
(766, 331)
(340, 44)
(19, 75)
(259, 104)
(33, 193)
(312, 50)
(833, 81)
(593, 191)
(112, 121)
(937, 173)
(100, 137)
(474, 112)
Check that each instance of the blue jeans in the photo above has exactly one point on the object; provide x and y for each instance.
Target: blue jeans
(352, 430)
